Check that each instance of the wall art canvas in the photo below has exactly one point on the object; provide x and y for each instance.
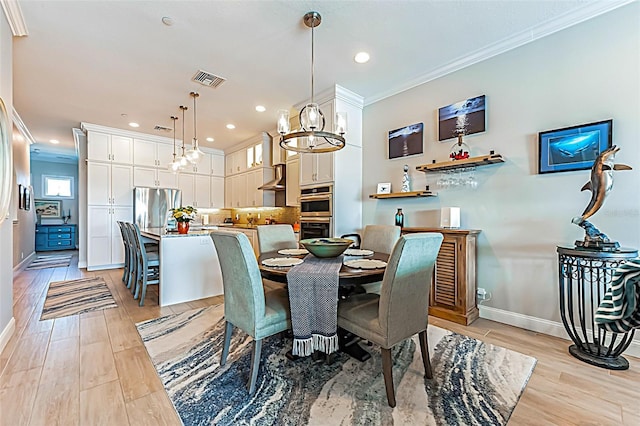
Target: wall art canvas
(20, 196)
(48, 208)
(573, 148)
(465, 117)
(26, 200)
(406, 141)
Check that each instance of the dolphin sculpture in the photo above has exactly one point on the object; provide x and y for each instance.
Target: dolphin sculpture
(601, 182)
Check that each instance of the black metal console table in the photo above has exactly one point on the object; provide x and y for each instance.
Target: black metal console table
(584, 277)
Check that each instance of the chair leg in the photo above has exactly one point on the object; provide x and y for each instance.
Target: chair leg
(424, 348)
(228, 330)
(387, 372)
(255, 364)
(143, 283)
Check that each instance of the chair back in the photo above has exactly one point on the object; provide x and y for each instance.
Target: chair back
(380, 238)
(244, 302)
(404, 297)
(276, 237)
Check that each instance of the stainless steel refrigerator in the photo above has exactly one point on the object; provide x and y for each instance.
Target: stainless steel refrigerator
(151, 206)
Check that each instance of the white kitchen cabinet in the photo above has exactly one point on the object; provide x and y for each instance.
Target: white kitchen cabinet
(293, 182)
(202, 167)
(152, 154)
(196, 190)
(218, 192)
(109, 148)
(239, 190)
(154, 178)
(217, 165)
(105, 249)
(236, 162)
(316, 168)
(110, 184)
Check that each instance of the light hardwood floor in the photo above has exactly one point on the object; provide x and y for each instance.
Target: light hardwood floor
(93, 369)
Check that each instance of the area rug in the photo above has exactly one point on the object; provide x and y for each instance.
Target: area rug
(474, 382)
(73, 297)
(50, 261)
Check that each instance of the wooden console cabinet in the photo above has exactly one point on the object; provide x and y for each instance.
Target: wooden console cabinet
(454, 286)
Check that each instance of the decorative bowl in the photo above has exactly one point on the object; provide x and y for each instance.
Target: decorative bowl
(326, 247)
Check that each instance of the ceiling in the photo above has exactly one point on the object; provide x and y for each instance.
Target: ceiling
(112, 62)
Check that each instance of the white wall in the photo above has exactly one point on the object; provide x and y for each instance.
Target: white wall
(6, 237)
(586, 73)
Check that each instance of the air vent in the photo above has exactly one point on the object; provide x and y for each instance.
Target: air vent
(208, 79)
(160, 128)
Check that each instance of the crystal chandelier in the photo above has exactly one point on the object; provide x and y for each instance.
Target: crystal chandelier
(174, 166)
(194, 155)
(312, 137)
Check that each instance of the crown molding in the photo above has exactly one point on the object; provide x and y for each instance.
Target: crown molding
(88, 127)
(14, 15)
(560, 23)
(17, 121)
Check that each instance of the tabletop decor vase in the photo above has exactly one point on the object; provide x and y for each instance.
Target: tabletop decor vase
(183, 227)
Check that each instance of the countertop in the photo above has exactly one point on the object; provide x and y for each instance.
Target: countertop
(194, 230)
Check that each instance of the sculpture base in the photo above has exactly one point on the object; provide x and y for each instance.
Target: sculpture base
(592, 357)
(598, 245)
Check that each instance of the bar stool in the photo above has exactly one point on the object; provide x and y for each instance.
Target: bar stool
(127, 253)
(147, 265)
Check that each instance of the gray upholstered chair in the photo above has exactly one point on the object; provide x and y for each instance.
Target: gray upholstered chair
(400, 311)
(147, 270)
(380, 238)
(276, 237)
(246, 305)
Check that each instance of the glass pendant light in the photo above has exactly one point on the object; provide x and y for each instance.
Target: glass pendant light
(312, 137)
(194, 154)
(174, 166)
(183, 158)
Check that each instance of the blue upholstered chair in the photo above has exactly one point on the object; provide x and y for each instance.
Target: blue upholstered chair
(246, 305)
(401, 309)
(276, 237)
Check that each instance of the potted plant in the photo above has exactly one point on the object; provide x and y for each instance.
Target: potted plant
(184, 215)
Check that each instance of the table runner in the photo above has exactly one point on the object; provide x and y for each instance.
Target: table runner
(313, 298)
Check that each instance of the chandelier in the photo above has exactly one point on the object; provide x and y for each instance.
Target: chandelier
(312, 137)
(194, 155)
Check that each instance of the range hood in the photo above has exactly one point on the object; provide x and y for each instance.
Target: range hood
(280, 181)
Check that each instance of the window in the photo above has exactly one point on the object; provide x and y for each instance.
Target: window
(57, 186)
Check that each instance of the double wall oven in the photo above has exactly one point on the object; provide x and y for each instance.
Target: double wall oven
(316, 212)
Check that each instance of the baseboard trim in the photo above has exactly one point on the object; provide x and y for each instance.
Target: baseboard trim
(20, 266)
(7, 333)
(541, 325)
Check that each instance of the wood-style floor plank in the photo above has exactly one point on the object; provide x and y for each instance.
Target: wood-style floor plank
(93, 368)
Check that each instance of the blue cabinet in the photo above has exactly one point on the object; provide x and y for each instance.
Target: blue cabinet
(55, 237)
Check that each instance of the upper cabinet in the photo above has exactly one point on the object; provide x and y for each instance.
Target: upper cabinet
(256, 153)
(217, 165)
(316, 168)
(109, 148)
(152, 154)
(293, 182)
(236, 162)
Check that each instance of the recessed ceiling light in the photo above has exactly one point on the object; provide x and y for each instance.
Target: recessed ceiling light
(260, 108)
(361, 57)
(54, 141)
(230, 126)
(210, 139)
(132, 124)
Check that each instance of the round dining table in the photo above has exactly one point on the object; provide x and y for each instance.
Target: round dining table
(347, 276)
(349, 280)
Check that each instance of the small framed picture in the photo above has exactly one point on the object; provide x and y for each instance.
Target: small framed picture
(26, 199)
(406, 141)
(20, 197)
(384, 188)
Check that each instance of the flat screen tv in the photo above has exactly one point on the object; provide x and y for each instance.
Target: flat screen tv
(573, 148)
(406, 141)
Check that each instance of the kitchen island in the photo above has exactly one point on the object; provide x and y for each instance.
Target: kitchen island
(189, 267)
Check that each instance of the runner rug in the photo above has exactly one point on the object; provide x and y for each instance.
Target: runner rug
(474, 382)
(73, 297)
(51, 261)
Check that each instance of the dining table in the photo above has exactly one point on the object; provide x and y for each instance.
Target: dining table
(349, 281)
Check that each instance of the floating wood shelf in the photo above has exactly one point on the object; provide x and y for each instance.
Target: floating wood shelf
(467, 162)
(412, 194)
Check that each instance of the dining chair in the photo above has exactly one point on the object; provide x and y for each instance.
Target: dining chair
(127, 253)
(379, 238)
(246, 305)
(401, 309)
(147, 264)
(276, 237)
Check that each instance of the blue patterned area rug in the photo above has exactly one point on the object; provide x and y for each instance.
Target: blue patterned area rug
(474, 382)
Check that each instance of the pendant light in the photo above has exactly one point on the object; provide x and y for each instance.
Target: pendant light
(174, 166)
(312, 137)
(194, 155)
(183, 158)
